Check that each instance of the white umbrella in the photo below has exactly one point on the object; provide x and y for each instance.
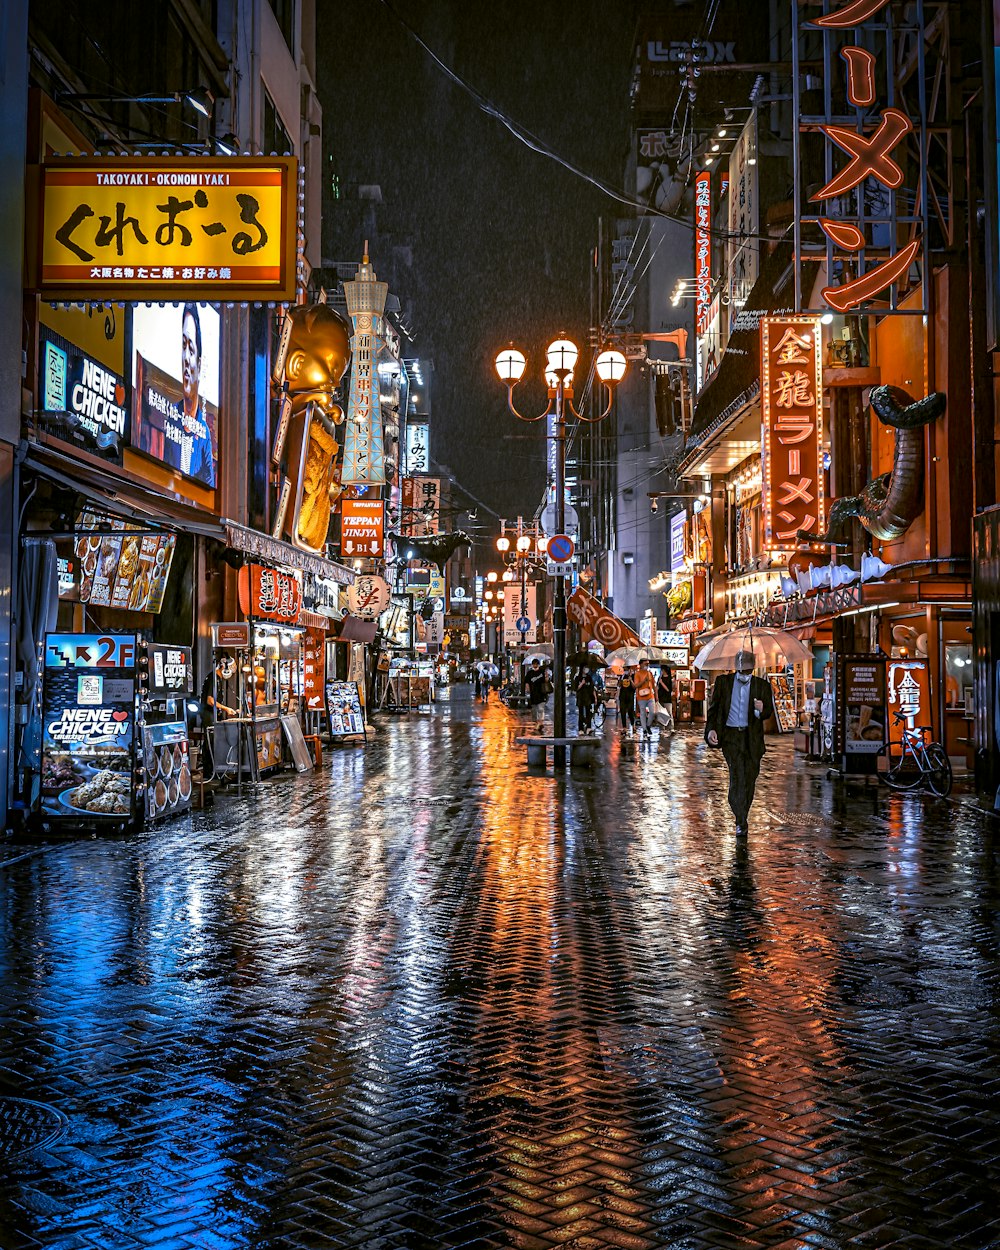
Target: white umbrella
(632, 655)
(768, 647)
(536, 655)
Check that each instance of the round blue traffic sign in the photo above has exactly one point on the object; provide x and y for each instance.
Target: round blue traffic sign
(560, 548)
(522, 624)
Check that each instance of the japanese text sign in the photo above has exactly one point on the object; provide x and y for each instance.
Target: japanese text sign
(909, 693)
(792, 391)
(702, 248)
(143, 228)
(269, 595)
(361, 527)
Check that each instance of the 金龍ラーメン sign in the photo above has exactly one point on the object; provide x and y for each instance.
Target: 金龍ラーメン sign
(145, 228)
(791, 389)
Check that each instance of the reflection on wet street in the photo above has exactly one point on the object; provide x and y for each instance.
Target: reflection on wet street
(429, 999)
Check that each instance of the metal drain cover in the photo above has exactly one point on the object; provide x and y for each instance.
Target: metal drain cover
(27, 1126)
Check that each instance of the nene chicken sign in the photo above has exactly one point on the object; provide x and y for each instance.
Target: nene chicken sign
(129, 228)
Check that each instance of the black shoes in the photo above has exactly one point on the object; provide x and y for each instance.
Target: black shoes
(742, 830)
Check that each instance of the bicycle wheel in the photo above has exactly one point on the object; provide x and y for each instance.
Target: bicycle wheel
(899, 777)
(939, 774)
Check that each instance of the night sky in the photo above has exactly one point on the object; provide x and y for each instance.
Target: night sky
(501, 237)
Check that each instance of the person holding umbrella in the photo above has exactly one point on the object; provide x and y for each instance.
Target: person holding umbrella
(583, 687)
(741, 703)
(536, 686)
(626, 701)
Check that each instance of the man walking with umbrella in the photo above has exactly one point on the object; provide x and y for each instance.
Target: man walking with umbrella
(741, 703)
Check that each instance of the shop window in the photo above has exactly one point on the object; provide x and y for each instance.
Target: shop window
(284, 12)
(957, 673)
(275, 137)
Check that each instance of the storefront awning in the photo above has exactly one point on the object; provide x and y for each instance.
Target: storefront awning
(274, 551)
(728, 441)
(130, 501)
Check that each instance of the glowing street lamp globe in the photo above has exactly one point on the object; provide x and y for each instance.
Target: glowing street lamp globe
(491, 576)
(524, 543)
(510, 365)
(561, 357)
(610, 366)
(503, 544)
(508, 575)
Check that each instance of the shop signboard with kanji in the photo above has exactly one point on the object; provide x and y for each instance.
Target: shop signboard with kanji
(314, 668)
(867, 226)
(702, 248)
(792, 398)
(162, 228)
(908, 694)
(267, 594)
(362, 523)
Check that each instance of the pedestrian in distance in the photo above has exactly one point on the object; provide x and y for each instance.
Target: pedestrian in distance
(665, 696)
(626, 702)
(536, 687)
(645, 697)
(479, 684)
(741, 703)
(586, 695)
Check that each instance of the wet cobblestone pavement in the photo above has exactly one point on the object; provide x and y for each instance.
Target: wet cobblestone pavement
(428, 999)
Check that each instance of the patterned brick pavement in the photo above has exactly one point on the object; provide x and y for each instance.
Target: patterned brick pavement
(428, 1000)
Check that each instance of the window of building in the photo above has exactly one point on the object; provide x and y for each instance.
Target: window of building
(284, 11)
(275, 137)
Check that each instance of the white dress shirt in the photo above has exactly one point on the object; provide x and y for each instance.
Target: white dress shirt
(739, 707)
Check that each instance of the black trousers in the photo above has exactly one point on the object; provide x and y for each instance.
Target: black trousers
(743, 771)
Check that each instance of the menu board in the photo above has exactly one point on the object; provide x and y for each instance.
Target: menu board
(343, 708)
(860, 707)
(122, 569)
(170, 671)
(88, 726)
(784, 702)
(167, 767)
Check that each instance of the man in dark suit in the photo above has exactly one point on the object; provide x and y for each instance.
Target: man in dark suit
(741, 703)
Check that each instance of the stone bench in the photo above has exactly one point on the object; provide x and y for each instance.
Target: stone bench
(582, 750)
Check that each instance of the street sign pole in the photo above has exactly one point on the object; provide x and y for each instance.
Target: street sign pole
(559, 597)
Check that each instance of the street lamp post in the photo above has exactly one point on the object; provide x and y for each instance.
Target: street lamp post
(561, 358)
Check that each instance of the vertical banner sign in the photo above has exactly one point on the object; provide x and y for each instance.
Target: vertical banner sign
(314, 669)
(743, 246)
(909, 692)
(791, 389)
(418, 444)
(874, 216)
(364, 454)
(362, 525)
(702, 248)
(677, 524)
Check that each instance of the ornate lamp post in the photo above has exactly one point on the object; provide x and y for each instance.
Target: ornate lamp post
(561, 358)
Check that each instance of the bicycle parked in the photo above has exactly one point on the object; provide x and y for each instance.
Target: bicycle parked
(921, 763)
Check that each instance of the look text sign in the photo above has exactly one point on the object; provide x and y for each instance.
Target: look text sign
(791, 387)
(162, 228)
